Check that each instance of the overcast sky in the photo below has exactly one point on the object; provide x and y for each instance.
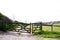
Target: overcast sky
(31, 10)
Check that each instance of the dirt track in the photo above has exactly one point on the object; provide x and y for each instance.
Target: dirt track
(23, 36)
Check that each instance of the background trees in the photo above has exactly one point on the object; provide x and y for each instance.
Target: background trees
(6, 23)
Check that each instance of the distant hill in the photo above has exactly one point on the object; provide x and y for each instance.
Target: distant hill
(47, 23)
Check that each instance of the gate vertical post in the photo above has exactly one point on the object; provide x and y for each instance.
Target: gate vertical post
(31, 27)
(41, 26)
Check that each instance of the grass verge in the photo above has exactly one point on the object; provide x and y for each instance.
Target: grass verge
(47, 34)
(19, 33)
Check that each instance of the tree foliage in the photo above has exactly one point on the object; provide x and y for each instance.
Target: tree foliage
(6, 23)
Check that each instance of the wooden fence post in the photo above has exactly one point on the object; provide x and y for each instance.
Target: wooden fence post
(51, 28)
(31, 28)
(41, 26)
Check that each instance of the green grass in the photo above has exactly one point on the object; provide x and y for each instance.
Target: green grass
(48, 28)
(47, 32)
(28, 26)
(19, 33)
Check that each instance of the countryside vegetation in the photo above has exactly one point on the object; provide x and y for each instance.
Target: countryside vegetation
(40, 29)
(6, 23)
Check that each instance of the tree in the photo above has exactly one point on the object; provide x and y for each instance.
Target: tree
(6, 23)
(2, 24)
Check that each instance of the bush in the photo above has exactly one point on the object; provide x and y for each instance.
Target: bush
(11, 27)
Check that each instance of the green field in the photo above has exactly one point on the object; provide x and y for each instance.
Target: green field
(47, 31)
(48, 28)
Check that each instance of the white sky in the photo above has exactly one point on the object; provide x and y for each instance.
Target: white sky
(31, 10)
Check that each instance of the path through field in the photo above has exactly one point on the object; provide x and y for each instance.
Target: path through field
(24, 36)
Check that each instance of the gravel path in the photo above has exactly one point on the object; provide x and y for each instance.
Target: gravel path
(23, 36)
